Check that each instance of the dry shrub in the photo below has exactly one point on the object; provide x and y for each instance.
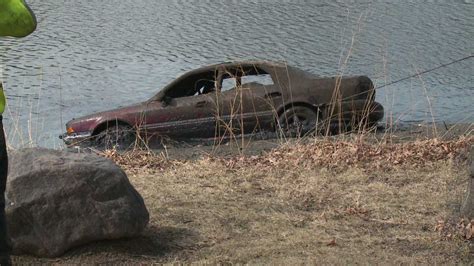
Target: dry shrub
(136, 160)
(325, 152)
(342, 154)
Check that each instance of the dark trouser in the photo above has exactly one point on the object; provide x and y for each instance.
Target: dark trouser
(4, 247)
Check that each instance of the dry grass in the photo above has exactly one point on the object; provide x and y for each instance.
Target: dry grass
(321, 202)
(357, 153)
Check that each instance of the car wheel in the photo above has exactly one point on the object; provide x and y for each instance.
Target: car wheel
(118, 137)
(298, 121)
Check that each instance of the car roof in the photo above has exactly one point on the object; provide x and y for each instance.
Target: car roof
(230, 64)
(267, 65)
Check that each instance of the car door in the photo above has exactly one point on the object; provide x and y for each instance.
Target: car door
(246, 101)
(184, 117)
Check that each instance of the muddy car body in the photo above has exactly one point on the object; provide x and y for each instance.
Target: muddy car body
(235, 98)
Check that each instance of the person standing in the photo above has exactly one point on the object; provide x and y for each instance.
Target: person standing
(16, 20)
(4, 248)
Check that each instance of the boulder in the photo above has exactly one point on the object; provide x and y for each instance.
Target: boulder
(467, 208)
(57, 200)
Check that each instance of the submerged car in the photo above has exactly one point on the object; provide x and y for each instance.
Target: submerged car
(235, 98)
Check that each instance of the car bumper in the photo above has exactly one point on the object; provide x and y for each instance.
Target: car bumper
(354, 111)
(75, 138)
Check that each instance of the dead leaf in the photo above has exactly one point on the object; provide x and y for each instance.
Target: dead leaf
(332, 243)
(470, 230)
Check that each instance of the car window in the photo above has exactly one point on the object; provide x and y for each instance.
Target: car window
(228, 84)
(250, 74)
(191, 85)
(263, 79)
(204, 86)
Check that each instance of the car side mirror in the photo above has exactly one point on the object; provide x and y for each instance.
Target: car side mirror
(166, 101)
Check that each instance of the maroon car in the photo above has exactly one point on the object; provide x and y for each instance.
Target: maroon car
(235, 98)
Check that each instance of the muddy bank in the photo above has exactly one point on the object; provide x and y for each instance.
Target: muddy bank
(257, 144)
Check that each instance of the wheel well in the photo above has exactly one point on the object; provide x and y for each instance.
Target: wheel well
(103, 126)
(290, 105)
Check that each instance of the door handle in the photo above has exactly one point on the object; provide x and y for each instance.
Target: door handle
(273, 94)
(201, 104)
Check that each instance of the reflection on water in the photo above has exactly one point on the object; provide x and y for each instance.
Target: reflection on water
(88, 56)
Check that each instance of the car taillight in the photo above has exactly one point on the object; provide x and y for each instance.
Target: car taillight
(70, 130)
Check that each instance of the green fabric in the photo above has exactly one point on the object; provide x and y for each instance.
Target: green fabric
(16, 18)
(2, 100)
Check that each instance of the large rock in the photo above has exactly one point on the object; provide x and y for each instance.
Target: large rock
(467, 208)
(57, 200)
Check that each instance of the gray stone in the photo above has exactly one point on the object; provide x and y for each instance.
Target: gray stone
(58, 200)
(467, 208)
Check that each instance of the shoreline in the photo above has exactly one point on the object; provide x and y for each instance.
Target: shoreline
(252, 145)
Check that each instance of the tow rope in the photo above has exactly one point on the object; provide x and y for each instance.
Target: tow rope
(427, 71)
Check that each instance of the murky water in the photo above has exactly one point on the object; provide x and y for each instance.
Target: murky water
(88, 56)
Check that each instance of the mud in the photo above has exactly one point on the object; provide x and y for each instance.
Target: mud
(256, 144)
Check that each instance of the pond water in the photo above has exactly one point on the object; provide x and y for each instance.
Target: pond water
(88, 56)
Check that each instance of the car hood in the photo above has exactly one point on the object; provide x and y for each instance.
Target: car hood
(88, 122)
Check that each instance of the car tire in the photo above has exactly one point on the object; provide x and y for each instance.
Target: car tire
(298, 121)
(116, 137)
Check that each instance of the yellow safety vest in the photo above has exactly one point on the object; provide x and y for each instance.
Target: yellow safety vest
(2, 100)
(16, 18)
